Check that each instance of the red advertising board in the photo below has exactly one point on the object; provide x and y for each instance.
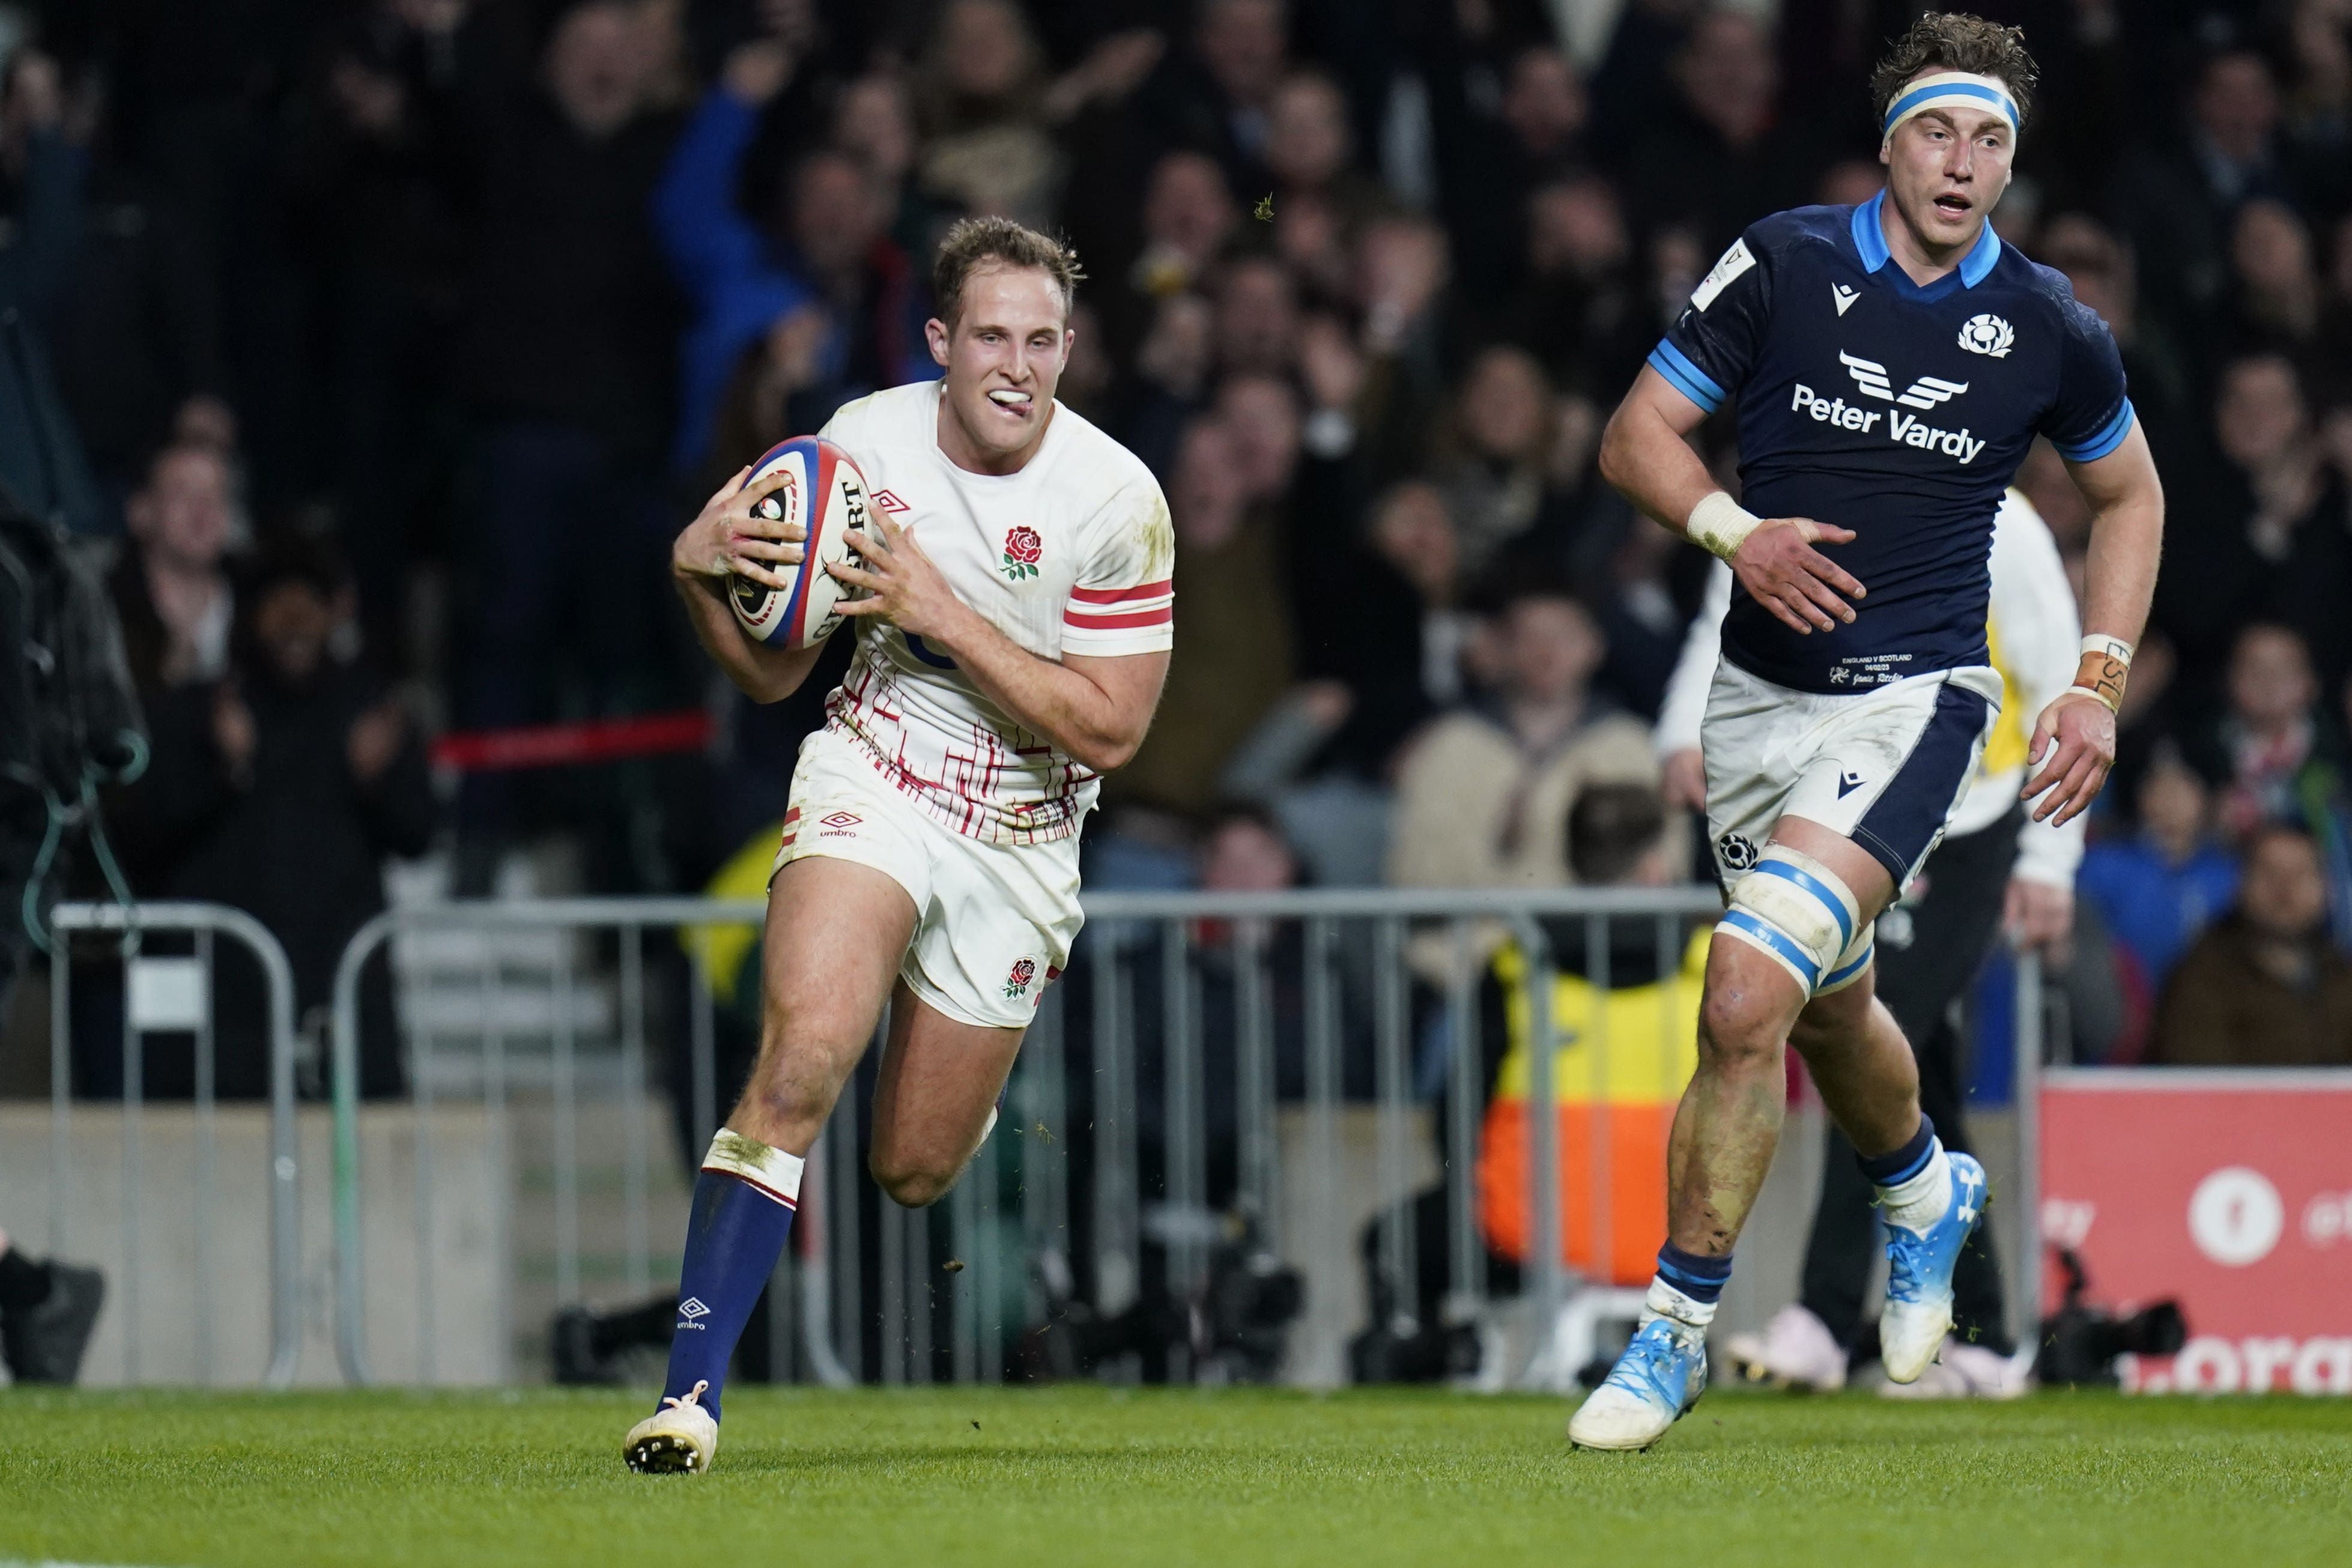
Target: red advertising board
(2229, 1190)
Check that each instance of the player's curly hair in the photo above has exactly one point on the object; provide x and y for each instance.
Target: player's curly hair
(1955, 41)
(971, 243)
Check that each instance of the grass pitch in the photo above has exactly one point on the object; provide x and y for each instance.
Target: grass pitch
(1083, 1474)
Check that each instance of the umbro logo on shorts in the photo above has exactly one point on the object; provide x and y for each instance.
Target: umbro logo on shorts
(842, 820)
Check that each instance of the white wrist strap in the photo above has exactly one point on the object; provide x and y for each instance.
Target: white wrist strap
(1720, 524)
(2114, 648)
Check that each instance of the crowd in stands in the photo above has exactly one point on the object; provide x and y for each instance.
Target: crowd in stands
(389, 341)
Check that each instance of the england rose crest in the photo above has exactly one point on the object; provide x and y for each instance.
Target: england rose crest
(1022, 547)
(1023, 971)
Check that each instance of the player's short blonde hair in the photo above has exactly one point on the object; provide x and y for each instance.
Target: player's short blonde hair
(973, 244)
(1955, 41)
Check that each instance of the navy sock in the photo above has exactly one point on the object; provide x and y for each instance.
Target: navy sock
(732, 1241)
(1700, 1279)
(1901, 1165)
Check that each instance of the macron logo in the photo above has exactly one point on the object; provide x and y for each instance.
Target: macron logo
(1925, 393)
(1843, 297)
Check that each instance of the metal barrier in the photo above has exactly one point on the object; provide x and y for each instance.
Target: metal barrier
(1210, 1061)
(172, 994)
(1106, 1144)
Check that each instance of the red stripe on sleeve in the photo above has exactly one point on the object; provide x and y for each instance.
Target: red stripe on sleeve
(1122, 595)
(1159, 616)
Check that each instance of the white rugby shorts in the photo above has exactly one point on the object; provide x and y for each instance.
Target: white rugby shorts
(1884, 767)
(993, 923)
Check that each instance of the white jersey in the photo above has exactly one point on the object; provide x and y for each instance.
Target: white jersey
(1072, 554)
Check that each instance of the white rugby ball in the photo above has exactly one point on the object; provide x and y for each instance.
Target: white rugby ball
(825, 494)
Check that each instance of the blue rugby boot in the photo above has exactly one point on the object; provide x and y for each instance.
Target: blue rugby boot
(1652, 1385)
(1918, 1311)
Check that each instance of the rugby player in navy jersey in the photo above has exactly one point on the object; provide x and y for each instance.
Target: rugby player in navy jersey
(1890, 365)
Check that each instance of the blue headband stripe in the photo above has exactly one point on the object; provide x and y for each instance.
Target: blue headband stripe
(1911, 101)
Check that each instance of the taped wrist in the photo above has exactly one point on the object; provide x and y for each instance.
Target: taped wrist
(2104, 666)
(1796, 911)
(1719, 524)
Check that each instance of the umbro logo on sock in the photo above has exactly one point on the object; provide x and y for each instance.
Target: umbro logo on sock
(692, 1307)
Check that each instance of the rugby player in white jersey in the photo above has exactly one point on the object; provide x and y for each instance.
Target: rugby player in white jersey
(1890, 365)
(1013, 633)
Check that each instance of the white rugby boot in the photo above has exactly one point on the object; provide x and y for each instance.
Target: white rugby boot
(678, 1439)
(1965, 1371)
(1652, 1385)
(1796, 1350)
(1918, 1311)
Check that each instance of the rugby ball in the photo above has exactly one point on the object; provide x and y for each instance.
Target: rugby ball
(825, 493)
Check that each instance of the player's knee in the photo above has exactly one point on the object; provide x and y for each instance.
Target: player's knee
(912, 1181)
(1734, 1033)
(1799, 916)
(791, 1087)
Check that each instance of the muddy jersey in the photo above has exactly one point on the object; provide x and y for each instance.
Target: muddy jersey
(1073, 554)
(1902, 413)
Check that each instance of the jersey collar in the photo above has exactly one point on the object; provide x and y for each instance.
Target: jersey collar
(1870, 242)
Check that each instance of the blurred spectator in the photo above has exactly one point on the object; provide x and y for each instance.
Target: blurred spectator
(1535, 137)
(1645, 1005)
(1387, 622)
(1216, 95)
(2278, 296)
(41, 460)
(1581, 310)
(981, 99)
(1721, 156)
(2267, 536)
(170, 589)
(1402, 274)
(290, 780)
(132, 340)
(1233, 656)
(1501, 435)
(1257, 318)
(2264, 988)
(874, 122)
(2101, 273)
(377, 214)
(568, 355)
(741, 284)
(2275, 754)
(1310, 154)
(2317, 103)
(2174, 202)
(1187, 215)
(2161, 887)
(1482, 794)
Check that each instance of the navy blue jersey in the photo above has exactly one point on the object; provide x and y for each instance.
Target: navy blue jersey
(1899, 411)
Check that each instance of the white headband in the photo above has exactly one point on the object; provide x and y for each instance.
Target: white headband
(1952, 90)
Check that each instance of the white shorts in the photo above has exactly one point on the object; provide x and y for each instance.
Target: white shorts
(1885, 766)
(993, 923)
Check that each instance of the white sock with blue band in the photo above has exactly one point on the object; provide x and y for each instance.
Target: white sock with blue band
(1914, 1181)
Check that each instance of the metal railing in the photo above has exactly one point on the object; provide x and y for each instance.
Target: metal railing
(1135, 1155)
(1309, 1064)
(172, 995)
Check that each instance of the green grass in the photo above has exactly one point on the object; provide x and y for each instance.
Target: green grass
(1084, 1475)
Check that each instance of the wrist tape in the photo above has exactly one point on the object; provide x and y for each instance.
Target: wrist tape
(1718, 523)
